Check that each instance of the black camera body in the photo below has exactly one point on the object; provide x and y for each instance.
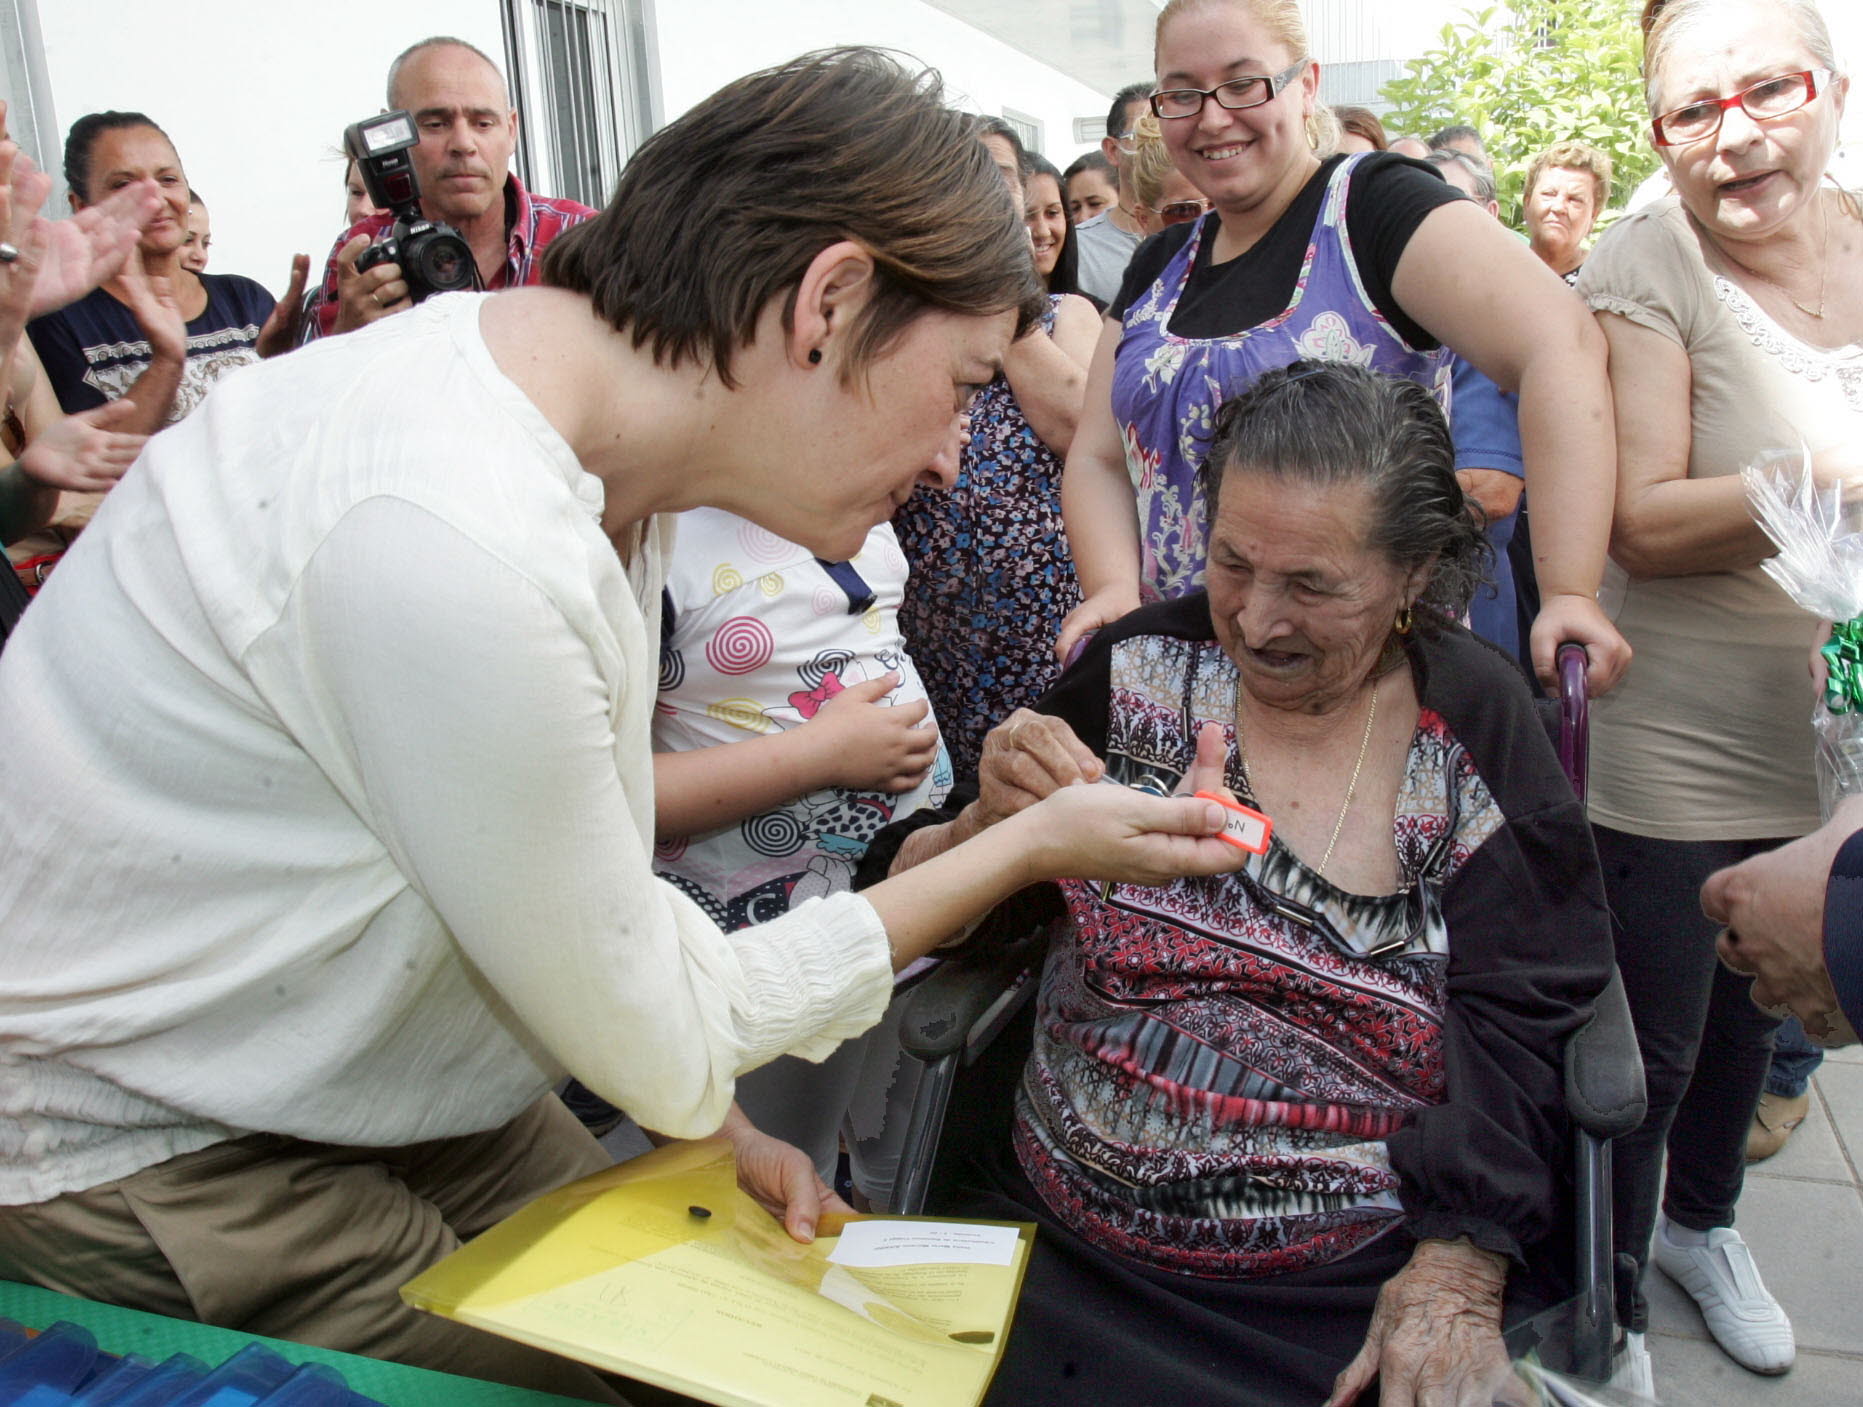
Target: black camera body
(433, 256)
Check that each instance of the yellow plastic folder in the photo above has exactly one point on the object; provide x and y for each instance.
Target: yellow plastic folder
(661, 1269)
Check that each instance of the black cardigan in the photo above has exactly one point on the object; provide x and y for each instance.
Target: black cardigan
(1530, 938)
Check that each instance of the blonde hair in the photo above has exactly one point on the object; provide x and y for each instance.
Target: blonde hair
(1150, 163)
(1324, 131)
(1281, 18)
(1574, 156)
(1284, 23)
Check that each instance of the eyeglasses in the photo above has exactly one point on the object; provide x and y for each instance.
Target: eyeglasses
(1175, 212)
(1237, 93)
(1764, 101)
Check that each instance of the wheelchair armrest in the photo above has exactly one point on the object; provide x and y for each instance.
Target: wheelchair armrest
(942, 1010)
(1603, 1070)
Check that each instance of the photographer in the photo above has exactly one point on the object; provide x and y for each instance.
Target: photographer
(468, 130)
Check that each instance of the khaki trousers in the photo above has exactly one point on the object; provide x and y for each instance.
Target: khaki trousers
(311, 1242)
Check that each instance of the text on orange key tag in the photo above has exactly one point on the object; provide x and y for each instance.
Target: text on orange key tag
(1244, 827)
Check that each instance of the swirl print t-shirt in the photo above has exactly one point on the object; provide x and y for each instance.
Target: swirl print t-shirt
(757, 635)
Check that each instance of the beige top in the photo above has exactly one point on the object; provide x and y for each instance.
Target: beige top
(1709, 736)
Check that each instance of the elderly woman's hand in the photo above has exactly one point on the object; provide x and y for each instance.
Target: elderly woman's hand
(1435, 1336)
(1026, 757)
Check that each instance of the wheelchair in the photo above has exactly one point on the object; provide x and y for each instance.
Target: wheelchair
(971, 1020)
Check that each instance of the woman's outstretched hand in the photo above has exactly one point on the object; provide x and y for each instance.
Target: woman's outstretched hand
(1116, 833)
(780, 1177)
(1435, 1336)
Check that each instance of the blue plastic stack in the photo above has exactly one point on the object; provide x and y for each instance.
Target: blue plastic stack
(63, 1367)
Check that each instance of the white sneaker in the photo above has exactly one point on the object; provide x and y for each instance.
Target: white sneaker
(1631, 1371)
(1743, 1317)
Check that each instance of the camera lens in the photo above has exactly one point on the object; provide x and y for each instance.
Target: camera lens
(444, 264)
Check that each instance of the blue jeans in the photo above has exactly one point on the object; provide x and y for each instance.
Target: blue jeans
(1794, 1061)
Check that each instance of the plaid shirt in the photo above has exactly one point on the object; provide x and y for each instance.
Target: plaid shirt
(531, 222)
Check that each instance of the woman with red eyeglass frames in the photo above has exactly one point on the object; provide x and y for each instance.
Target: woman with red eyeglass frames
(1734, 312)
(1401, 267)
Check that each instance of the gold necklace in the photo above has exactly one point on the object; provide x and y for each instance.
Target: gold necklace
(1823, 267)
(1364, 744)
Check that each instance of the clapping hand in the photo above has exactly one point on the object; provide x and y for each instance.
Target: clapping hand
(59, 261)
(82, 453)
(150, 299)
(281, 330)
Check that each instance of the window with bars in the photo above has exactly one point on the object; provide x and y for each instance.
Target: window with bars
(581, 80)
(1027, 129)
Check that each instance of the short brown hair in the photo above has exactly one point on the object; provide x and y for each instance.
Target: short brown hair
(723, 209)
(1362, 122)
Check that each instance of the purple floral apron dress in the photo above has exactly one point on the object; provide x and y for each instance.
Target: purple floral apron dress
(1166, 389)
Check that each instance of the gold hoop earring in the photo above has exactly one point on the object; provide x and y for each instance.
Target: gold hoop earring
(1404, 621)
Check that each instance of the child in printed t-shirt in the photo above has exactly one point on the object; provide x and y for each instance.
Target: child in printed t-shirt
(790, 728)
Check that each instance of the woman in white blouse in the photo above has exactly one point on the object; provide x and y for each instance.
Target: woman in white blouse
(326, 806)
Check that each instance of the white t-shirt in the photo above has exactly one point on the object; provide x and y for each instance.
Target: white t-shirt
(762, 635)
(326, 803)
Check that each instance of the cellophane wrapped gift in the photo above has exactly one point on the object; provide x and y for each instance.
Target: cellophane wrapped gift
(1820, 566)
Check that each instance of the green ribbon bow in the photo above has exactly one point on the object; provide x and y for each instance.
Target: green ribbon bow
(1843, 652)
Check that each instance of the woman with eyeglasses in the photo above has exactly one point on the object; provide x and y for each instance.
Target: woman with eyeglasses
(1401, 266)
(1163, 195)
(1734, 312)
(991, 577)
(1308, 1115)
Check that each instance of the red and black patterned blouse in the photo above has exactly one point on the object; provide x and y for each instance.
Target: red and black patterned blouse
(1220, 1090)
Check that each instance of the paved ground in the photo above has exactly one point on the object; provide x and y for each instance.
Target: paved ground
(1802, 1212)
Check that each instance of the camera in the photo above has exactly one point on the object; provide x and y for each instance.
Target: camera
(434, 257)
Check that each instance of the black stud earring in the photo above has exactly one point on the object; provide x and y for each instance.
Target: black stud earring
(815, 356)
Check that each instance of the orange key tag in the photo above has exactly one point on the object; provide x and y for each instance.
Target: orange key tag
(1244, 827)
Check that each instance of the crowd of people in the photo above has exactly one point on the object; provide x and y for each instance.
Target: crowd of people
(625, 681)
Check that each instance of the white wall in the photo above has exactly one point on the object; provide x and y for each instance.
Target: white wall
(705, 43)
(255, 94)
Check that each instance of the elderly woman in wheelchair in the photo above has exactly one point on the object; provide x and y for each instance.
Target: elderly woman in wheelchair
(1299, 1129)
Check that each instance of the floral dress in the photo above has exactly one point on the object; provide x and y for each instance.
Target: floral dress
(1167, 389)
(992, 577)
